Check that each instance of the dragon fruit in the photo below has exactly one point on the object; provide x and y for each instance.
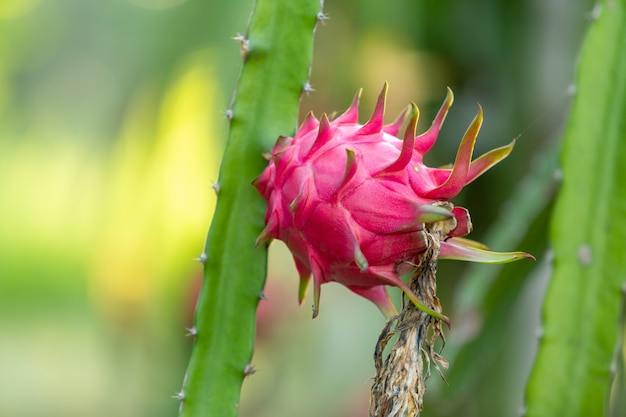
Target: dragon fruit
(351, 201)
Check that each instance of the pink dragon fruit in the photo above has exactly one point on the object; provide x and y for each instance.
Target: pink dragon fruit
(350, 201)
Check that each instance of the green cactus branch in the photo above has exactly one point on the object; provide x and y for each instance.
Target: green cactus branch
(277, 51)
(576, 363)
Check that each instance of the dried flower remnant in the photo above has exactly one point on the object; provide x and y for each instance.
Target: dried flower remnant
(400, 382)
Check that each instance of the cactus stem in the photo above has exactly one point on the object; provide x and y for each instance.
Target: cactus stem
(265, 104)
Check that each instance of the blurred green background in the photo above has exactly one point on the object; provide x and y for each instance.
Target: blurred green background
(111, 131)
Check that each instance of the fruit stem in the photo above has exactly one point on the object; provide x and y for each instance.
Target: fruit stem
(399, 384)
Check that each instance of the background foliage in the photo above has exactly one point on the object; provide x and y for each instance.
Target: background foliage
(111, 132)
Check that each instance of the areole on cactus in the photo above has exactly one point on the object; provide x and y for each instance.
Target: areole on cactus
(351, 201)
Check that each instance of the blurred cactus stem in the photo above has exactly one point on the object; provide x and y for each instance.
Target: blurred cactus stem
(277, 50)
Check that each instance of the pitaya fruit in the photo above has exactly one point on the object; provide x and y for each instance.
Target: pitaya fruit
(350, 201)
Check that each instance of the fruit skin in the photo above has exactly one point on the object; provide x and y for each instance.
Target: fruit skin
(350, 201)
